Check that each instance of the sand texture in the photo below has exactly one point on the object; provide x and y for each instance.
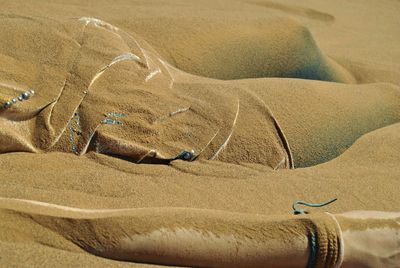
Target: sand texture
(277, 100)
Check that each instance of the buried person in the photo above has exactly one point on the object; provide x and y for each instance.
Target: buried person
(108, 91)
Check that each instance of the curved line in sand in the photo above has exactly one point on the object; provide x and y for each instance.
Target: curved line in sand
(152, 74)
(48, 123)
(128, 56)
(281, 134)
(151, 153)
(113, 29)
(223, 146)
(24, 115)
(284, 140)
(280, 164)
(44, 208)
(166, 66)
(50, 209)
(171, 114)
(98, 23)
(91, 135)
(206, 146)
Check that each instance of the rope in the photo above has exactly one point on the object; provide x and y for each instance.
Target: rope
(314, 247)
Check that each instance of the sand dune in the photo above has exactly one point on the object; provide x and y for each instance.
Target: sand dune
(279, 101)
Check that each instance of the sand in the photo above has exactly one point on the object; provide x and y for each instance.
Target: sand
(281, 101)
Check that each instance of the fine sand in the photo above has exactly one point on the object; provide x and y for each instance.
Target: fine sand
(280, 101)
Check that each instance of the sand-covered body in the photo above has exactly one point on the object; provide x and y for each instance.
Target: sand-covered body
(256, 87)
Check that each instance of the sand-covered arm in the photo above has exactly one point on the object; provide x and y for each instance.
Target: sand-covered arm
(213, 238)
(192, 238)
(198, 237)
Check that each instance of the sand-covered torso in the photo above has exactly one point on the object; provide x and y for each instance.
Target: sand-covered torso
(108, 91)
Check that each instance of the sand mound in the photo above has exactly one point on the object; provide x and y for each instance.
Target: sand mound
(335, 116)
(277, 48)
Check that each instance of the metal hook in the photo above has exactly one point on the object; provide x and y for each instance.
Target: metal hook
(297, 211)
